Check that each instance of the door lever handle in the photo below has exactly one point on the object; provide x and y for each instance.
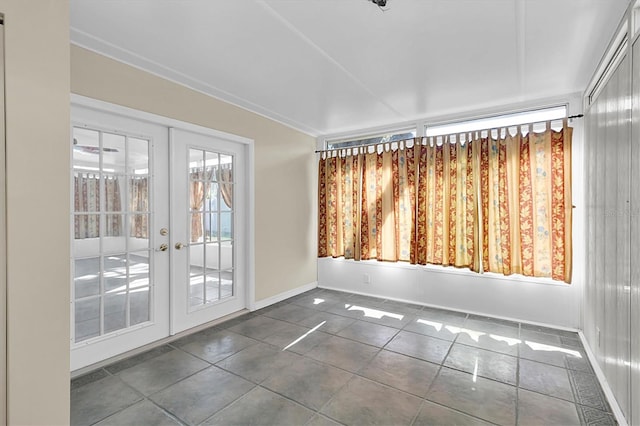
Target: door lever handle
(163, 247)
(180, 246)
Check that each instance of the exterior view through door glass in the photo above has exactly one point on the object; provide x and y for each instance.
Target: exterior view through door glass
(211, 232)
(111, 232)
(206, 213)
(120, 282)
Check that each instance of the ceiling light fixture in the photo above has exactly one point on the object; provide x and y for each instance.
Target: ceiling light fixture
(379, 3)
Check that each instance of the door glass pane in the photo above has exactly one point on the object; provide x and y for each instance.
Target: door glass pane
(87, 232)
(138, 156)
(86, 150)
(86, 191)
(211, 164)
(113, 154)
(226, 195)
(139, 194)
(87, 318)
(211, 226)
(139, 305)
(226, 168)
(211, 222)
(213, 261)
(115, 273)
(139, 287)
(114, 239)
(226, 255)
(111, 217)
(213, 286)
(139, 231)
(226, 226)
(86, 278)
(115, 311)
(196, 289)
(226, 283)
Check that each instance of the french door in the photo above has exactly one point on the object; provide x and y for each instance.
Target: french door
(207, 201)
(157, 232)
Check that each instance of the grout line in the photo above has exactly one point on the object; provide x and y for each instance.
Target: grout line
(169, 412)
(230, 403)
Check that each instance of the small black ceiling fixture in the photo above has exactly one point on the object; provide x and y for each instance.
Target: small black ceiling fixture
(380, 3)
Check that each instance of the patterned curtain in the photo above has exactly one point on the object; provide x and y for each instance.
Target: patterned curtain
(488, 204)
(339, 185)
(447, 213)
(87, 199)
(199, 185)
(139, 203)
(388, 204)
(112, 204)
(225, 179)
(367, 205)
(526, 208)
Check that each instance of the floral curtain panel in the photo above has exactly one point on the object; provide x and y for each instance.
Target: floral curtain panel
(526, 204)
(225, 179)
(498, 204)
(139, 203)
(200, 185)
(87, 199)
(447, 211)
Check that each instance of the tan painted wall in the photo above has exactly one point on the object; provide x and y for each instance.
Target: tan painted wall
(285, 166)
(38, 149)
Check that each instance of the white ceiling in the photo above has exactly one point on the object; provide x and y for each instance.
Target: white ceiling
(328, 66)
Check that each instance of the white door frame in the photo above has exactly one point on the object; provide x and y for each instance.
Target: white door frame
(248, 144)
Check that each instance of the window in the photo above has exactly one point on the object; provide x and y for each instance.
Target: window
(507, 120)
(372, 139)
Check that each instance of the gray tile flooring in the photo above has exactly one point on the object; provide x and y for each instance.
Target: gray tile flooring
(331, 358)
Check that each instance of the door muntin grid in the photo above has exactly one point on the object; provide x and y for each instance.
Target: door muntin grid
(111, 219)
(211, 189)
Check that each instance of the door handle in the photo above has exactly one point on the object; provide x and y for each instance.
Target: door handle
(163, 247)
(180, 246)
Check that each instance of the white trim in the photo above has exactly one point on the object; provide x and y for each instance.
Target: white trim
(282, 296)
(155, 119)
(172, 289)
(615, 407)
(428, 305)
(250, 252)
(613, 53)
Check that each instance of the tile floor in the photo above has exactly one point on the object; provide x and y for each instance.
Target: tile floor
(330, 358)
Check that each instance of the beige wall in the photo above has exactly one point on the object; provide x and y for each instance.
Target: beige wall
(285, 166)
(38, 149)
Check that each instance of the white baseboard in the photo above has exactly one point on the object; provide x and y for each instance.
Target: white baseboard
(430, 305)
(259, 304)
(617, 412)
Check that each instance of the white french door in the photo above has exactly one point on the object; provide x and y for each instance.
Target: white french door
(158, 232)
(208, 228)
(120, 288)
